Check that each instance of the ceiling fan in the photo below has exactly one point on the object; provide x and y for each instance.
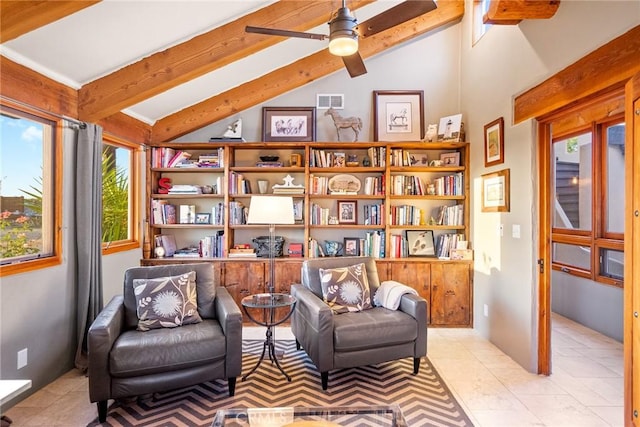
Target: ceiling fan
(344, 30)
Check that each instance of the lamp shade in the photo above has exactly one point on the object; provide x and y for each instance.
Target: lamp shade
(343, 40)
(271, 210)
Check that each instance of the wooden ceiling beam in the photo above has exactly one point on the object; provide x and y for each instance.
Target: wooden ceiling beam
(295, 75)
(511, 12)
(611, 64)
(20, 17)
(200, 55)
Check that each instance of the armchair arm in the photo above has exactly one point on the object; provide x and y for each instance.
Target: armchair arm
(230, 319)
(416, 306)
(312, 325)
(104, 331)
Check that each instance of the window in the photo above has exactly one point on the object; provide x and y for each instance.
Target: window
(480, 8)
(29, 189)
(588, 167)
(120, 194)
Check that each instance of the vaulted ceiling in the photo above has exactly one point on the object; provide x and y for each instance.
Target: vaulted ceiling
(181, 65)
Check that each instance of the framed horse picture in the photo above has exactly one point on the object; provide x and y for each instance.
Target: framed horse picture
(398, 115)
(288, 124)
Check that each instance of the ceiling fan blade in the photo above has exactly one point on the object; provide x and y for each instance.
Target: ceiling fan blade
(354, 64)
(403, 12)
(284, 33)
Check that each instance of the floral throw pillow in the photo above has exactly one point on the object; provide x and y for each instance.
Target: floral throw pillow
(346, 289)
(166, 302)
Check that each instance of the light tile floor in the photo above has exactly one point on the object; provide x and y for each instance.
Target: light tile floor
(586, 388)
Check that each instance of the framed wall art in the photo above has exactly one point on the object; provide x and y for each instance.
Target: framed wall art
(288, 124)
(398, 115)
(420, 243)
(347, 212)
(494, 142)
(495, 191)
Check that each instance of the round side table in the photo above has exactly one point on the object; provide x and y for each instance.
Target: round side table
(268, 302)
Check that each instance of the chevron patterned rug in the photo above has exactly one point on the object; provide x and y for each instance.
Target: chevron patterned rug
(424, 399)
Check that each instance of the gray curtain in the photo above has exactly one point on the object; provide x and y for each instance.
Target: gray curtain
(88, 234)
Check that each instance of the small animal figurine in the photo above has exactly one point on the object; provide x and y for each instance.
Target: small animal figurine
(432, 133)
(340, 122)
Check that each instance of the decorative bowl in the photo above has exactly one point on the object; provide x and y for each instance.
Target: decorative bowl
(269, 158)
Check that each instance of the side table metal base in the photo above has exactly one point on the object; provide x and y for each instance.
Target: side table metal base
(269, 346)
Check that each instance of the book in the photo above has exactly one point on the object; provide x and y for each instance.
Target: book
(179, 157)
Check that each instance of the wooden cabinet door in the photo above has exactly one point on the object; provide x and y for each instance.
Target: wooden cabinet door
(414, 274)
(287, 273)
(383, 271)
(243, 279)
(450, 294)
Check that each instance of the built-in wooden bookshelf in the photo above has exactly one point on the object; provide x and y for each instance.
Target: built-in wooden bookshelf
(389, 191)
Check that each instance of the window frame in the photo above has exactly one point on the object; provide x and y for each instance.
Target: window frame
(57, 126)
(597, 238)
(133, 242)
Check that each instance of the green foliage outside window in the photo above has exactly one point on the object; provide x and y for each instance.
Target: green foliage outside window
(115, 198)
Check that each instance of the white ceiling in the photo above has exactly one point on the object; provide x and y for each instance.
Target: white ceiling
(107, 36)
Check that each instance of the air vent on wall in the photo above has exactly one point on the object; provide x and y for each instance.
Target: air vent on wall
(330, 100)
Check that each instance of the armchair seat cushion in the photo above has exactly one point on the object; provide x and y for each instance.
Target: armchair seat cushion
(136, 353)
(374, 328)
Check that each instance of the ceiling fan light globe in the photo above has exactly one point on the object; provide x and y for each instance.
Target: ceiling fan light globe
(343, 45)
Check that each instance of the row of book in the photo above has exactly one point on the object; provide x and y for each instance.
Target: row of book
(238, 213)
(208, 247)
(445, 243)
(373, 214)
(163, 212)
(238, 184)
(450, 185)
(166, 157)
(450, 215)
(408, 185)
(319, 215)
(374, 185)
(406, 215)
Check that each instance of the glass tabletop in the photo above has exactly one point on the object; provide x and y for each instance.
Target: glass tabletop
(384, 415)
(268, 300)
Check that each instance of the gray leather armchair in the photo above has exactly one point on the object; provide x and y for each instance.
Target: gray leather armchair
(125, 362)
(357, 338)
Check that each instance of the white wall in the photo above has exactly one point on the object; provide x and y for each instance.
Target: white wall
(429, 63)
(507, 61)
(37, 308)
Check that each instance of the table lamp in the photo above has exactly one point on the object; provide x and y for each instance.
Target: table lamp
(271, 210)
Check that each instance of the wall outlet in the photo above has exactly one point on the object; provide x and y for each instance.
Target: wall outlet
(22, 358)
(486, 310)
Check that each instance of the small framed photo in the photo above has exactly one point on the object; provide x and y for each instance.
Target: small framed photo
(495, 191)
(288, 124)
(203, 218)
(398, 115)
(494, 142)
(347, 212)
(351, 246)
(295, 160)
(449, 128)
(420, 243)
(450, 159)
(339, 160)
